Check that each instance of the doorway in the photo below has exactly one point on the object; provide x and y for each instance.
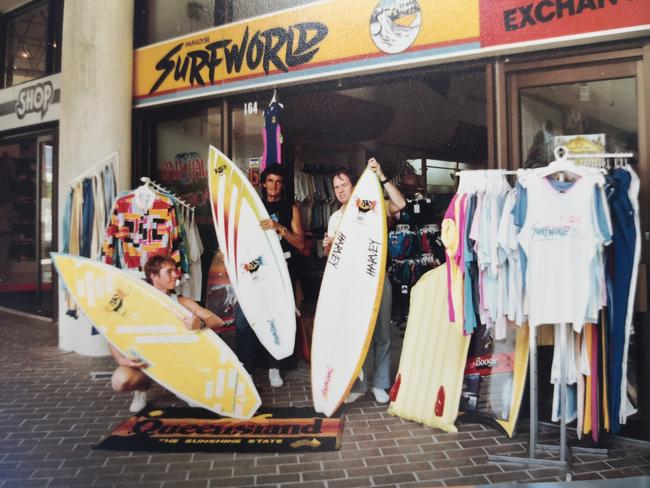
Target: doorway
(27, 216)
(591, 104)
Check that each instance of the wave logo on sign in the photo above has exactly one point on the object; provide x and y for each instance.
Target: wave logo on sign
(34, 99)
(395, 24)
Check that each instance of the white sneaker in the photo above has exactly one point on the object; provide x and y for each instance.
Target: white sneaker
(380, 395)
(139, 401)
(275, 378)
(353, 396)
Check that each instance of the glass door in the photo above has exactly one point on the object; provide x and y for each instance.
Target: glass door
(27, 230)
(45, 218)
(590, 107)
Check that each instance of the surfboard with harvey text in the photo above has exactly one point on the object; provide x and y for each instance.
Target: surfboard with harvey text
(350, 295)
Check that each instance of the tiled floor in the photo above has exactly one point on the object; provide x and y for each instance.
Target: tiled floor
(52, 413)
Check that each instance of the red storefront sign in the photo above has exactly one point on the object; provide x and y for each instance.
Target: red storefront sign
(514, 21)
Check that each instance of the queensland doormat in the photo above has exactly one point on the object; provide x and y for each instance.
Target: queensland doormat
(178, 429)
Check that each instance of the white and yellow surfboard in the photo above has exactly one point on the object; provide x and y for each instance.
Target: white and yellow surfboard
(350, 295)
(142, 322)
(254, 258)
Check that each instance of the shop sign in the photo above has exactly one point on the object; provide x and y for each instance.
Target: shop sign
(335, 37)
(515, 21)
(30, 103)
(312, 40)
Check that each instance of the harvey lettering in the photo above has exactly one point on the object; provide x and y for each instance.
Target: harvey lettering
(373, 254)
(337, 249)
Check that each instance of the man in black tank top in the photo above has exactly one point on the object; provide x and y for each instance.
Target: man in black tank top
(285, 221)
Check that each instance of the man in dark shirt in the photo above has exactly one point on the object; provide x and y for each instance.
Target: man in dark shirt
(285, 221)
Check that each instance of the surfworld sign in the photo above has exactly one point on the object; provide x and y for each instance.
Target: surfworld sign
(312, 41)
(339, 37)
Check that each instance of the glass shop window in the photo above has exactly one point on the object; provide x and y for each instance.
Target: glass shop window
(182, 142)
(159, 20)
(32, 42)
(247, 127)
(589, 117)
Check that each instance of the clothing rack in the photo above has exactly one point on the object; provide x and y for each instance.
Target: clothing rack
(109, 160)
(149, 182)
(492, 171)
(533, 445)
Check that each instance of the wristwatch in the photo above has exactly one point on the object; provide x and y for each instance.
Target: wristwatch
(384, 181)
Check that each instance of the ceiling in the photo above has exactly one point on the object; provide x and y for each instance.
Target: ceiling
(440, 116)
(6, 5)
(27, 46)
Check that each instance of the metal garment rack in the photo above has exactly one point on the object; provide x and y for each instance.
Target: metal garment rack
(102, 375)
(149, 182)
(534, 446)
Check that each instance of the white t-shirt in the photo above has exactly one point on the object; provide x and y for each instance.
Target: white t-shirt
(560, 238)
(334, 221)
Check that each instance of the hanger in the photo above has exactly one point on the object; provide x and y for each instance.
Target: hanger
(156, 187)
(504, 186)
(464, 180)
(274, 99)
(144, 195)
(110, 160)
(561, 164)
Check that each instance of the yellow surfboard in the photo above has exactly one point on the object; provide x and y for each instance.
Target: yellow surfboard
(140, 321)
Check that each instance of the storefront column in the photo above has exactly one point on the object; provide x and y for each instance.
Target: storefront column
(96, 77)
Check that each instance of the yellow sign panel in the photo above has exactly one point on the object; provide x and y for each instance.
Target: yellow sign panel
(314, 37)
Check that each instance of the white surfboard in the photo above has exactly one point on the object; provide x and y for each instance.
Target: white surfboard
(350, 295)
(254, 258)
(141, 321)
